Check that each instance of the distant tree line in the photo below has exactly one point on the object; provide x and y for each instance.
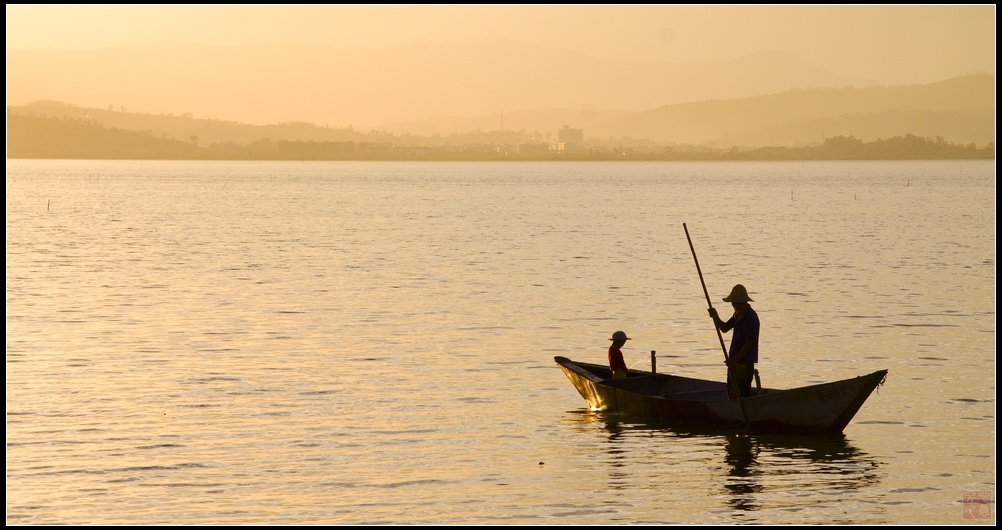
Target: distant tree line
(55, 138)
(907, 147)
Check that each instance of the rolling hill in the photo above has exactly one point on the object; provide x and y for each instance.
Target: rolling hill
(960, 110)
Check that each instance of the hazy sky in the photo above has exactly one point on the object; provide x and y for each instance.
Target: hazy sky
(890, 43)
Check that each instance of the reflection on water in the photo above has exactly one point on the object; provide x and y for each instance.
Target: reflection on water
(821, 462)
(741, 456)
(618, 461)
(754, 471)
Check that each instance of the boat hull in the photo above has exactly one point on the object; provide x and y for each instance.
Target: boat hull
(816, 409)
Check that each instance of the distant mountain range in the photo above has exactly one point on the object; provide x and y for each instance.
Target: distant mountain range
(444, 89)
(960, 110)
(381, 87)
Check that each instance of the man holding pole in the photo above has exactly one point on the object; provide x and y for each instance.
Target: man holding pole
(744, 343)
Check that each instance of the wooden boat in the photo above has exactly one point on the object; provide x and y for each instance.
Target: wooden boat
(824, 408)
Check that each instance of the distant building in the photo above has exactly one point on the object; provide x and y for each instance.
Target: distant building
(570, 137)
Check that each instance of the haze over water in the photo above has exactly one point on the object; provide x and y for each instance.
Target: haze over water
(373, 66)
(351, 343)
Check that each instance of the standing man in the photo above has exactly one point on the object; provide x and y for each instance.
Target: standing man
(744, 343)
(616, 363)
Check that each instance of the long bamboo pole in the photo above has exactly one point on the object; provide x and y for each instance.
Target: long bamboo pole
(720, 337)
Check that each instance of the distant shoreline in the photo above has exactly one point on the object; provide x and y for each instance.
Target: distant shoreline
(35, 137)
(517, 160)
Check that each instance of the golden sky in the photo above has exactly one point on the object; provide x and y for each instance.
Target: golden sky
(888, 43)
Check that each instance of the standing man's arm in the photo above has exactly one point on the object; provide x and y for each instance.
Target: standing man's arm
(720, 324)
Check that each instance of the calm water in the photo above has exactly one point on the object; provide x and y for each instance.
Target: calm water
(372, 343)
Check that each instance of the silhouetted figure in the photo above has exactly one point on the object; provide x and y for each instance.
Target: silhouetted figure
(616, 362)
(743, 354)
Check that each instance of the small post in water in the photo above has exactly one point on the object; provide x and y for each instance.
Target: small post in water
(654, 364)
